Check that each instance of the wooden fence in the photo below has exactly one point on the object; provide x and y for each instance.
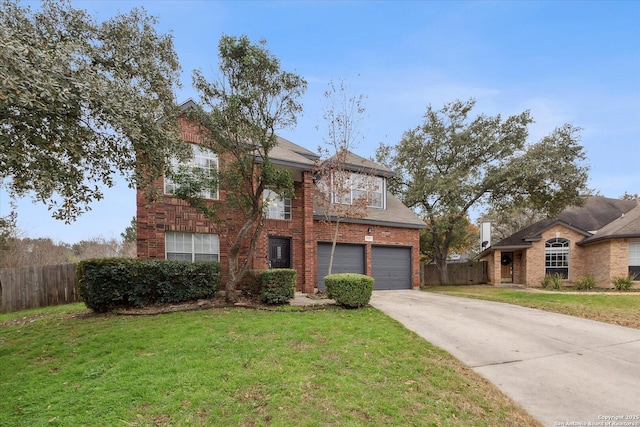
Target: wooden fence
(460, 273)
(37, 286)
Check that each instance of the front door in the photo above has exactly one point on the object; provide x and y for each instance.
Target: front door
(279, 252)
(506, 273)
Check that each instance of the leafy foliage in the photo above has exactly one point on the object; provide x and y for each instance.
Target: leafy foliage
(278, 285)
(552, 281)
(349, 289)
(239, 116)
(586, 283)
(464, 239)
(80, 101)
(452, 163)
(105, 284)
(623, 283)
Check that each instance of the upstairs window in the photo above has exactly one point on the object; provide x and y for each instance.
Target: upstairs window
(556, 253)
(276, 206)
(352, 186)
(192, 246)
(203, 159)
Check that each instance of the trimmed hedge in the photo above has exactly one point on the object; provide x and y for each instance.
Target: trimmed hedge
(251, 284)
(105, 284)
(349, 289)
(278, 285)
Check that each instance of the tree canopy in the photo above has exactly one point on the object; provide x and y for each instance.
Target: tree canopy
(239, 116)
(80, 102)
(452, 163)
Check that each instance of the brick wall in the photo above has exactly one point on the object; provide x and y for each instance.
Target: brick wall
(172, 214)
(382, 235)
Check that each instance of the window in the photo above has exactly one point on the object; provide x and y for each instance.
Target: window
(556, 255)
(634, 259)
(204, 160)
(192, 246)
(361, 186)
(276, 206)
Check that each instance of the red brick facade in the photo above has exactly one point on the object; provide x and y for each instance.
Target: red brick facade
(172, 214)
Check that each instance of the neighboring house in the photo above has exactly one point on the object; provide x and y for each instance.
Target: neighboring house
(383, 244)
(601, 238)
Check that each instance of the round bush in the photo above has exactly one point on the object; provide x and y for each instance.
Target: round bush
(349, 289)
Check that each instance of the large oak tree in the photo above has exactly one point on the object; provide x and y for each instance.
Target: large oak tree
(80, 102)
(452, 163)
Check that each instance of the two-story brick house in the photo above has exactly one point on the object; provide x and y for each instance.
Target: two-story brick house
(600, 238)
(383, 244)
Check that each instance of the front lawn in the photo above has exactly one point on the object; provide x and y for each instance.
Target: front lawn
(66, 367)
(622, 309)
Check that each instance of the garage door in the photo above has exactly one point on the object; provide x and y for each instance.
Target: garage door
(347, 259)
(391, 267)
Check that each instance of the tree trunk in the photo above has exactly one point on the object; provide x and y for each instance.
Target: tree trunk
(444, 271)
(236, 270)
(334, 240)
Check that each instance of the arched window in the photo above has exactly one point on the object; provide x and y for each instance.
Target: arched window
(556, 257)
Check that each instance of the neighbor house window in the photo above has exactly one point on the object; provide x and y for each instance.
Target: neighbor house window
(556, 253)
(358, 186)
(634, 259)
(276, 206)
(192, 246)
(204, 160)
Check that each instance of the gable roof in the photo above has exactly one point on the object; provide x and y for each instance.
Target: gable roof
(396, 214)
(356, 163)
(626, 226)
(596, 213)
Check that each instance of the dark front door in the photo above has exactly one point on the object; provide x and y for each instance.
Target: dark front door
(279, 252)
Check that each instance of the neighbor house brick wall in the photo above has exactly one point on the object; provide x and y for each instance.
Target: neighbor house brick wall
(607, 260)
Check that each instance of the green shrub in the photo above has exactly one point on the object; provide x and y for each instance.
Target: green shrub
(552, 281)
(105, 284)
(251, 284)
(624, 283)
(278, 285)
(349, 289)
(585, 283)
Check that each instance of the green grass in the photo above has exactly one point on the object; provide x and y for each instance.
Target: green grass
(616, 309)
(66, 367)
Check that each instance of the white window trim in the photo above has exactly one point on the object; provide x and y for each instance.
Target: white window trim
(557, 250)
(347, 199)
(272, 201)
(215, 245)
(200, 155)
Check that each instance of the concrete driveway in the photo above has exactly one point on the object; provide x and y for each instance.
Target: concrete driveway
(561, 369)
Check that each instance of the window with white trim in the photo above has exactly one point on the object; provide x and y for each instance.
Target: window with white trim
(202, 159)
(357, 186)
(192, 246)
(276, 206)
(556, 257)
(634, 259)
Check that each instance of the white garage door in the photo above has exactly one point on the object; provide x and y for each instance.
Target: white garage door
(346, 259)
(391, 267)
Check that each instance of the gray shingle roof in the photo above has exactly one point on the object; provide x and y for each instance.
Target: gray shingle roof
(596, 213)
(395, 215)
(626, 226)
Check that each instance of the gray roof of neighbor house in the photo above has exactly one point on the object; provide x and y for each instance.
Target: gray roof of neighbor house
(626, 226)
(596, 213)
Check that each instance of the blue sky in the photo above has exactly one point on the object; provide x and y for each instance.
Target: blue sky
(572, 62)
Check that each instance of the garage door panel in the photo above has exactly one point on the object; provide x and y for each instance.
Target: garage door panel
(346, 259)
(391, 267)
